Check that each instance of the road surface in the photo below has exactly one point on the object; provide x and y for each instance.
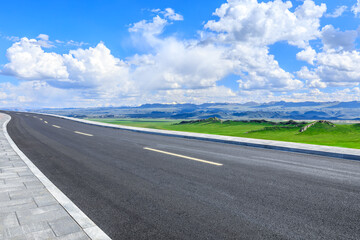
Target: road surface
(143, 186)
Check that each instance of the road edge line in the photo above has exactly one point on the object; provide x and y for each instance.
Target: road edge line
(89, 227)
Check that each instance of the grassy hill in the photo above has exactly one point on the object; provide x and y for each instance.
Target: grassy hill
(341, 135)
(230, 111)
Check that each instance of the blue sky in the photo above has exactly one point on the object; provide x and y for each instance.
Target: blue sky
(101, 53)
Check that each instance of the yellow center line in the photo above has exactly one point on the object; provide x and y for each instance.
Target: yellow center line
(45, 122)
(56, 126)
(86, 134)
(182, 156)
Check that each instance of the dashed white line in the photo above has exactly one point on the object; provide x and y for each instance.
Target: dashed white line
(40, 119)
(86, 134)
(182, 156)
(56, 126)
(45, 122)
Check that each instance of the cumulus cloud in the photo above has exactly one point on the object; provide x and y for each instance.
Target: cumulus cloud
(43, 41)
(347, 94)
(43, 37)
(172, 15)
(12, 38)
(307, 55)
(28, 93)
(248, 27)
(178, 64)
(335, 39)
(154, 27)
(312, 78)
(338, 67)
(259, 70)
(356, 8)
(337, 12)
(27, 60)
(92, 68)
(173, 65)
(146, 32)
(266, 23)
(333, 68)
(96, 73)
(188, 70)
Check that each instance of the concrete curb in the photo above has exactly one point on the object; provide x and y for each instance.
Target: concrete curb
(89, 227)
(337, 152)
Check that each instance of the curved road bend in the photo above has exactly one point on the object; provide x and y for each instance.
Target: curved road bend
(143, 186)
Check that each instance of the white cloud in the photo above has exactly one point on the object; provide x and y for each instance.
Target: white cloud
(74, 43)
(179, 64)
(248, 27)
(217, 93)
(36, 93)
(312, 79)
(194, 64)
(27, 60)
(43, 37)
(169, 14)
(267, 23)
(188, 70)
(259, 70)
(172, 15)
(333, 69)
(43, 41)
(340, 67)
(307, 55)
(154, 27)
(145, 33)
(96, 73)
(337, 12)
(356, 8)
(347, 94)
(94, 69)
(335, 39)
(12, 38)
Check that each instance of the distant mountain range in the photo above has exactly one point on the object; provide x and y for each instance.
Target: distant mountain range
(250, 110)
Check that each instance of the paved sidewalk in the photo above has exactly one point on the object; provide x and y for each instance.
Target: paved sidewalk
(27, 209)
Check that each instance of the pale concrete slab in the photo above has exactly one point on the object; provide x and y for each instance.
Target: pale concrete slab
(28, 208)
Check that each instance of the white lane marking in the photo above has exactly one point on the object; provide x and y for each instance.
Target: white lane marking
(182, 156)
(26, 115)
(56, 126)
(34, 116)
(86, 134)
(45, 122)
(40, 119)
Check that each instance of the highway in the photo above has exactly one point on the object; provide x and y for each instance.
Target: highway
(142, 186)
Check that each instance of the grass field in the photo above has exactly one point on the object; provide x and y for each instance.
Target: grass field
(342, 135)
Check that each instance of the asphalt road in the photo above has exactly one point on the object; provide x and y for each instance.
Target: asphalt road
(144, 186)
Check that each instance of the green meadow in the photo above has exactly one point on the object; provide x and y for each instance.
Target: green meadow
(341, 135)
